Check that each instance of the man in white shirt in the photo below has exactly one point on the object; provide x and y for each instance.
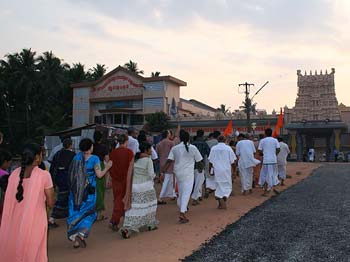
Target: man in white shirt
(221, 160)
(269, 148)
(245, 150)
(282, 160)
(210, 184)
(184, 157)
(133, 144)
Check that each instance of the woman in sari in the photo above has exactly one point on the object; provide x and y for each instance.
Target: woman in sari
(84, 169)
(23, 232)
(141, 212)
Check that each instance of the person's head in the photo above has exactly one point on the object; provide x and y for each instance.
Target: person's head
(31, 156)
(268, 132)
(280, 139)
(261, 136)
(98, 136)
(142, 137)
(1, 138)
(5, 159)
(123, 140)
(185, 138)
(211, 136)
(132, 132)
(221, 139)
(241, 136)
(216, 134)
(67, 143)
(145, 148)
(86, 145)
(232, 143)
(200, 133)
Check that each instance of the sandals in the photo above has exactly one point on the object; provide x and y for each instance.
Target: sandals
(114, 227)
(124, 233)
(81, 242)
(183, 220)
(101, 218)
(161, 202)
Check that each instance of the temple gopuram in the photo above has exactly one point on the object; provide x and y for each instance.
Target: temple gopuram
(315, 120)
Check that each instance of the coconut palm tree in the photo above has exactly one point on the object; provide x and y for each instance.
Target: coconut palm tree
(132, 66)
(155, 74)
(97, 72)
(223, 109)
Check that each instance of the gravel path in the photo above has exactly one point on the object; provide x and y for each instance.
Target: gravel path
(308, 222)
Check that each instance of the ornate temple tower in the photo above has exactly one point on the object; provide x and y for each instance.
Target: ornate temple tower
(316, 99)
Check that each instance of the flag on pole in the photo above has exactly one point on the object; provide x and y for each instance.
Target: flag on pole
(279, 125)
(228, 130)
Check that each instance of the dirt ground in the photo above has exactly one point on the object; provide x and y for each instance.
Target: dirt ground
(171, 241)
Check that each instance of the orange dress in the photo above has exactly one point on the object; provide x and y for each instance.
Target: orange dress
(23, 231)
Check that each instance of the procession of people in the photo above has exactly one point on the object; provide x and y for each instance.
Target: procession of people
(190, 170)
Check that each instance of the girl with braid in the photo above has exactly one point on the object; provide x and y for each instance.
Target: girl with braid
(184, 157)
(23, 231)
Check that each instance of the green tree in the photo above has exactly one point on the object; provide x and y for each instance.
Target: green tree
(96, 72)
(132, 66)
(157, 122)
(155, 74)
(223, 109)
(249, 106)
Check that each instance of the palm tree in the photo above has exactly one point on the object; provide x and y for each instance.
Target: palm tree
(155, 74)
(132, 66)
(248, 106)
(77, 73)
(97, 72)
(223, 109)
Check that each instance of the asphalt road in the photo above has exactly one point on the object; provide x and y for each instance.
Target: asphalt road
(307, 222)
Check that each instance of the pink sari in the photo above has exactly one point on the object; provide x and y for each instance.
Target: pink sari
(23, 231)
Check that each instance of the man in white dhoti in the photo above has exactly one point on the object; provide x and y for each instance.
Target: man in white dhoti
(199, 178)
(163, 150)
(269, 148)
(184, 155)
(221, 160)
(311, 155)
(282, 160)
(245, 151)
(210, 184)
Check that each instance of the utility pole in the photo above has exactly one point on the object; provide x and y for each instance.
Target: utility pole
(247, 103)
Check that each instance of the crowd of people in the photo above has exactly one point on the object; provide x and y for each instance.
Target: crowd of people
(33, 196)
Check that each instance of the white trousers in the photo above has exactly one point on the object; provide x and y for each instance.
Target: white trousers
(269, 175)
(185, 189)
(246, 178)
(210, 182)
(223, 189)
(198, 184)
(282, 171)
(168, 190)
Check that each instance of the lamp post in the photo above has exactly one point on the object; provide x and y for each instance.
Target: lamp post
(249, 101)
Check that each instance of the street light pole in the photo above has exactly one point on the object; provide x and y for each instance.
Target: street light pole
(247, 103)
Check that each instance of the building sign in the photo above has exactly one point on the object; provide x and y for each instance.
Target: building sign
(118, 85)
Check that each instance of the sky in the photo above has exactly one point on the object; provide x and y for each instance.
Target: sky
(213, 45)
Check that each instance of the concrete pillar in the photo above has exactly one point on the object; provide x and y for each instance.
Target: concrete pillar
(293, 144)
(300, 146)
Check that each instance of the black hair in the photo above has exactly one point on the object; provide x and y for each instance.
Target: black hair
(200, 133)
(122, 139)
(280, 139)
(268, 132)
(165, 134)
(98, 136)
(131, 130)
(185, 138)
(216, 134)
(232, 143)
(261, 136)
(4, 156)
(85, 144)
(28, 157)
(142, 137)
(241, 135)
(211, 135)
(144, 146)
(221, 139)
(67, 142)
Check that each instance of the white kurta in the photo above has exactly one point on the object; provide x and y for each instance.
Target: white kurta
(282, 160)
(245, 150)
(222, 157)
(198, 184)
(168, 190)
(269, 171)
(184, 171)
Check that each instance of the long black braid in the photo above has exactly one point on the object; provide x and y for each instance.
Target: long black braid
(185, 138)
(28, 157)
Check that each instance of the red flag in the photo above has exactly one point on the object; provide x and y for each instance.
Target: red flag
(228, 130)
(279, 125)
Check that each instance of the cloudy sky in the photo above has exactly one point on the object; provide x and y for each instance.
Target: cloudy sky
(213, 45)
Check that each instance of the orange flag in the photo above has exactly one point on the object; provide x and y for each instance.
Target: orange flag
(279, 125)
(228, 130)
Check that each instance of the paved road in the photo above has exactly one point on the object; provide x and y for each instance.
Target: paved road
(307, 222)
